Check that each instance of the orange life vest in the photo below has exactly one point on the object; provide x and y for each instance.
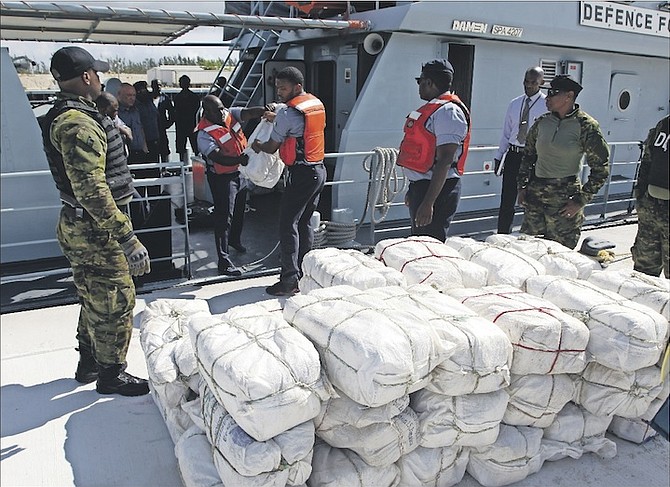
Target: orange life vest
(229, 138)
(311, 146)
(417, 149)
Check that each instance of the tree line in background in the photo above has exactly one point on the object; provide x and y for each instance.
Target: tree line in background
(122, 65)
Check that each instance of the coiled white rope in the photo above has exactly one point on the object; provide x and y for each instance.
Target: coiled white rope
(386, 182)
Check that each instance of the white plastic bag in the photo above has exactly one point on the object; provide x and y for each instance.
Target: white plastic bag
(263, 169)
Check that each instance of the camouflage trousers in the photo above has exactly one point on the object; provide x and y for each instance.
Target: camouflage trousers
(650, 249)
(543, 202)
(104, 286)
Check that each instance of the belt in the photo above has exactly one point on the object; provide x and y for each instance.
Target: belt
(76, 212)
(515, 148)
(567, 179)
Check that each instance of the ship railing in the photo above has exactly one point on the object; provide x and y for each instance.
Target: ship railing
(173, 176)
(487, 223)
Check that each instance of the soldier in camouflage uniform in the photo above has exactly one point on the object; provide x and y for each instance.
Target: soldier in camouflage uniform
(549, 187)
(88, 163)
(650, 250)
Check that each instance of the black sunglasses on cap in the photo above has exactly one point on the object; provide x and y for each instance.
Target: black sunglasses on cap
(553, 92)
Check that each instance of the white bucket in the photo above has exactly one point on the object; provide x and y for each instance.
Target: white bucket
(343, 215)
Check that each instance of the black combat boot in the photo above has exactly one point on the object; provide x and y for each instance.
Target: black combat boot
(87, 368)
(112, 379)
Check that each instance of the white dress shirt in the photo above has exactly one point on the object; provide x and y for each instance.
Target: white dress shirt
(513, 116)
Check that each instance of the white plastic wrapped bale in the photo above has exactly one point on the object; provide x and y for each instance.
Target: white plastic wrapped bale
(433, 467)
(371, 353)
(504, 265)
(468, 420)
(557, 259)
(170, 358)
(286, 451)
(194, 455)
(263, 371)
(342, 410)
(623, 335)
(653, 292)
(574, 432)
(545, 340)
(515, 455)
(535, 400)
(378, 444)
(638, 430)
(426, 260)
(169, 398)
(333, 267)
(481, 352)
(337, 467)
(606, 392)
(634, 430)
(163, 334)
(231, 477)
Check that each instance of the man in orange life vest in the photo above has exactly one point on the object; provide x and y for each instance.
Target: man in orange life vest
(433, 151)
(298, 134)
(221, 141)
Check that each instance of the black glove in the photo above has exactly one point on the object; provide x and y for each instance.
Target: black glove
(270, 107)
(243, 159)
(496, 167)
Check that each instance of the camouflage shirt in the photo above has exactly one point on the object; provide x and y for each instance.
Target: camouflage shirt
(83, 144)
(554, 148)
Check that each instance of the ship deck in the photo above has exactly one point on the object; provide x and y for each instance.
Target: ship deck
(56, 432)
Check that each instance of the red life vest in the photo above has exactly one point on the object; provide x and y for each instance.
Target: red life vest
(229, 138)
(311, 146)
(417, 149)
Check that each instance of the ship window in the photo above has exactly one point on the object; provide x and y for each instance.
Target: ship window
(624, 100)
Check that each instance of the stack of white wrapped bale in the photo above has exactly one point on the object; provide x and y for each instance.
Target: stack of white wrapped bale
(548, 345)
(262, 388)
(375, 356)
(425, 260)
(653, 292)
(557, 259)
(504, 265)
(171, 363)
(334, 267)
(464, 402)
(650, 291)
(626, 340)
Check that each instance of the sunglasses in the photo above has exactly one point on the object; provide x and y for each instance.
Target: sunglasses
(419, 80)
(553, 92)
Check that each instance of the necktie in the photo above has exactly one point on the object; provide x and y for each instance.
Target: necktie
(523, 122)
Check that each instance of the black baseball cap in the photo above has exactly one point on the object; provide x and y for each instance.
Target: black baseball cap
(438, 66)
(564, 82)
(71, 61)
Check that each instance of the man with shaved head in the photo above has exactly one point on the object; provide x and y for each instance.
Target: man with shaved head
(221, 141)
(521, 114)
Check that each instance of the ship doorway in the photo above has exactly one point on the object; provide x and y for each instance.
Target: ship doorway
(624, 102)
(323, 86)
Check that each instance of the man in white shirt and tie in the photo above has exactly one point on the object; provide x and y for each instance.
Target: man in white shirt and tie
(521, 114)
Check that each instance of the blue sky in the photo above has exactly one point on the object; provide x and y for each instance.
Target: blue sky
(42, 51)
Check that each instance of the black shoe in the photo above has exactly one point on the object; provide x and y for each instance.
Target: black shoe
(238, 246)
(87, 368)
(229, 269)
(114, 380)
(282, 289)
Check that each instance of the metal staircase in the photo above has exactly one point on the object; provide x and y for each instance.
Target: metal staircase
(254, 46)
